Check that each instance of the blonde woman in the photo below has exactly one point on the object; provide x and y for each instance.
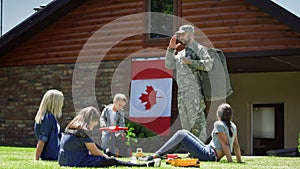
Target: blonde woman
(79, 150)
(46, 128)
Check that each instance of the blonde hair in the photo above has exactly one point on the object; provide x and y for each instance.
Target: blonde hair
(120, 96)
(52, 102)
(83, 118)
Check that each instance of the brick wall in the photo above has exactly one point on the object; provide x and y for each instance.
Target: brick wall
(23, 87)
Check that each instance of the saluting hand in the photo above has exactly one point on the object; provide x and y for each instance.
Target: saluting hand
(172, 43)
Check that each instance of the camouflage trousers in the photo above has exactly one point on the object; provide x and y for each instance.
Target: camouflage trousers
(191, 111)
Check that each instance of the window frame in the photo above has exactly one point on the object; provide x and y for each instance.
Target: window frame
(149, 42)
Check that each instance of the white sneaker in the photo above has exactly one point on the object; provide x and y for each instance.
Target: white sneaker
(133, 160)
(154, 163)
(157, 162)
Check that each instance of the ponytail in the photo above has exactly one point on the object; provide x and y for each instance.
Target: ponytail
(228, 124)
(225, 114)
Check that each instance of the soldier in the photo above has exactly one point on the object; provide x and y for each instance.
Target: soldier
(188, 64)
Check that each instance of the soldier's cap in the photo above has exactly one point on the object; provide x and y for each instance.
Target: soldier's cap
(185, 28)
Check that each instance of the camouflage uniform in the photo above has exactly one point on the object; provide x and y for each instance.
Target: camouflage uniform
(190, 99)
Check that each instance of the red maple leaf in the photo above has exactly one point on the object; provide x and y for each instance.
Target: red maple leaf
(149, 98)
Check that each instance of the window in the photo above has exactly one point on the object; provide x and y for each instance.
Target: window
(267, 127)
(264, 122)
(160, 28)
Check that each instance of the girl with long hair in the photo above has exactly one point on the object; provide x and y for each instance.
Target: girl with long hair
(78, 148)
(224, 140)
(46, 128)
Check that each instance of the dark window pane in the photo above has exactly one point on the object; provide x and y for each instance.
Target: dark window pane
(158, 25)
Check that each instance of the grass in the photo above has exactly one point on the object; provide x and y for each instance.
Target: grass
(20, 157)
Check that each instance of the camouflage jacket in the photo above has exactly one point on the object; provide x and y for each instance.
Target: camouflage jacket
(207, 72)
(188, 76)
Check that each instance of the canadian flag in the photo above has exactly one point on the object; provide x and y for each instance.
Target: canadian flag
(151, 95)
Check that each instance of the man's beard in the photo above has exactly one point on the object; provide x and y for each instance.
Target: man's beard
(187, 41)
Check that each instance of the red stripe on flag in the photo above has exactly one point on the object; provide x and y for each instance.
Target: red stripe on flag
(159, 125)
(150, 69)
(151, 74)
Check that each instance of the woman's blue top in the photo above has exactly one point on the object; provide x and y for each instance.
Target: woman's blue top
(49, 132)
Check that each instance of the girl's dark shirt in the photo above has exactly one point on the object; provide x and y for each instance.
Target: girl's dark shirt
(49, 132)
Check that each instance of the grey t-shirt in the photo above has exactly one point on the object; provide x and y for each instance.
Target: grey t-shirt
(220, 126)
(112, 115)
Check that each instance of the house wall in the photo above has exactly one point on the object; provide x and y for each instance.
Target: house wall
(228, 24)
(22, 89)
(237, 26)
(270, 87)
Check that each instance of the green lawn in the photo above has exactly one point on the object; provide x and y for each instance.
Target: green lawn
(19, 157)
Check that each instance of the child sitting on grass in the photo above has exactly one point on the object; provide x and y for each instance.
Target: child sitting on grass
(79, 150)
